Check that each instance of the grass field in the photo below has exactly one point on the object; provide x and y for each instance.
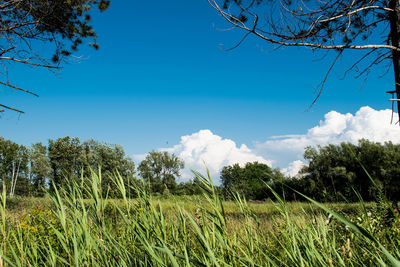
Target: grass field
(66, 229)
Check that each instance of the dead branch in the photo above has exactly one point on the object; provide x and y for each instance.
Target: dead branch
(324, 80)
(254, 30)
(10, 108)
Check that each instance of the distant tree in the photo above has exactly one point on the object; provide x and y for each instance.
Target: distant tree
(26, 171)
(249, 180)
(13, 165)
(333, 171)
(160, 170)
(40, 169)
(111, 159)
(28, 25)
(189, 188)
(232, 180)
(65, 156)
(391, 173)
(371, 26)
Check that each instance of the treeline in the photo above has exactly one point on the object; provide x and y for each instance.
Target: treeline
(334, 173)
(34, 170)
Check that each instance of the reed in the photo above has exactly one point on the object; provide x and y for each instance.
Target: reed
(81, 227)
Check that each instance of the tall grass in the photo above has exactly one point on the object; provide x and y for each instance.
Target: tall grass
(83, 228)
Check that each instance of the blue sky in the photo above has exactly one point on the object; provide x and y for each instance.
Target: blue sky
(161, 74)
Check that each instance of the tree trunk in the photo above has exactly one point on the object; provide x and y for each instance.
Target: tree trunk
(12, 177)
(16, 177)
(395, 39)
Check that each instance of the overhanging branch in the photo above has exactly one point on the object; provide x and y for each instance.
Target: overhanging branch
(254, 30)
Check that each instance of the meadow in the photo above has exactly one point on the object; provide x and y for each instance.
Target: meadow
(78, 226)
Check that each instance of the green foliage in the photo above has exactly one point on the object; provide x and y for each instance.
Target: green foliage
(334, 171)
(250, 180)
(70, 159)
(189, 188)
(40, 168)
(40, 224)
(44, 34)
(159, 170)
(65, 159)
(14, 167)
(31, 171)
(141, 232)
(112, 159)
(54, 21)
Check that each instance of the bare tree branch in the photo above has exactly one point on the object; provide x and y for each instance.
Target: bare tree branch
(369, 25)
(355, 11)
(30, 63)
(10, 108)
(324, 80)
(17, 88)
(239, 24)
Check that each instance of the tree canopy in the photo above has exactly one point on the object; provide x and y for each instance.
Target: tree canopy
(250, 181)
(40, 168)
(28, 25)
(35, 169)
(160, 170)
(13, 166)
(335, 171)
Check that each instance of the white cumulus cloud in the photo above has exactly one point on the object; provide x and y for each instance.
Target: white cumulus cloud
(207, 149)
(293, 168)
(367, 123)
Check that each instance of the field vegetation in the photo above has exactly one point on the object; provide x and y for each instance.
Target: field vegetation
(80, 226)
(56, 211)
